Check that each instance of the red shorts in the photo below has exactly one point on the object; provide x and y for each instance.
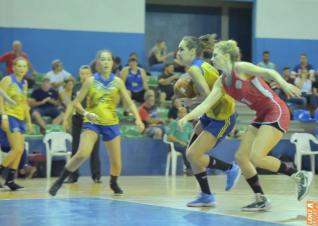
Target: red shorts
(274, 113)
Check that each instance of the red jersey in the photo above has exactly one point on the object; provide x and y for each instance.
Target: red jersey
(8, 58)
(258, 96)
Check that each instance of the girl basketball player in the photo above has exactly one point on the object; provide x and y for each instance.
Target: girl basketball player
(243, 82)
(13, 119)
(213, 126)
(100, 118)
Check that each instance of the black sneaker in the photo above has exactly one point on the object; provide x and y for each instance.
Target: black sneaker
(12, 186)
(71, 180)
(261, 203)
(303, 181)
(55, 187)
(97, 180)
(116, 189)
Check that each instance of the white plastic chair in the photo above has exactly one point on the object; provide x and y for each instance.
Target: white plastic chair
(172, 157)
(56, 145)
(302, 142)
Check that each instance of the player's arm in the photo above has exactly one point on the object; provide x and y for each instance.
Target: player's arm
(5, 83)
(249, 69)
(81, 95)
(124, 93)
(214, 96)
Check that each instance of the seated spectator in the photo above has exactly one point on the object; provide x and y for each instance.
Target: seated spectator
(305, 85)
(173, 110)
(157, 56)
(44, 102)
(135, 79)
(303, 64)
(288, 76)
(181, 137)
(67, 93)
(166, 82)
(57, 75)
(149, 116)
(117, 67)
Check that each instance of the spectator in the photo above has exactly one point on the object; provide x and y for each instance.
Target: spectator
(66, 94)
(303, 64)
(158, 56)
(265, 63)
(149, 116)
(57, 75)
(180, 137)
(173, 110)
(288, 76)
(117, 67)
(9, 57)
(16, 52)
(44, 101)
(166, 82)
(135, 79)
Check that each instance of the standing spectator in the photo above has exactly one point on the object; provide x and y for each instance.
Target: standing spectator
(180, 137)
(9, 57)
(166, 82)
(16, 52)
(44, 102)
(57, 75)
(303, 64)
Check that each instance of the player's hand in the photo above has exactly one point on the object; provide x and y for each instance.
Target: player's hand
(291, 90)
(182, 122)
(92, 117)
(140, 125)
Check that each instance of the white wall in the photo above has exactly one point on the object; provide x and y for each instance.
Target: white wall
(287, 19)
(80, 15)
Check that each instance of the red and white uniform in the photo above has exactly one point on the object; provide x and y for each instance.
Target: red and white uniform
(260, 98)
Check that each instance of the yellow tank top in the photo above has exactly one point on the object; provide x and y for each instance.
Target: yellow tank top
(101, 99)
(17, 91)
(225, 107)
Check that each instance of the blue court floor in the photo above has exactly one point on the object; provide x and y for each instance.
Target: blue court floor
(98, 211)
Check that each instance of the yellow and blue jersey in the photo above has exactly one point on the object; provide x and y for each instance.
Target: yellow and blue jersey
(17, 91)
(225, 107)
(101, 99)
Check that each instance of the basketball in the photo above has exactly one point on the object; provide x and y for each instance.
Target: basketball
(184, 87)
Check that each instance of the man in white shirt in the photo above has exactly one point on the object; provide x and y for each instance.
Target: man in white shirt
(57, 75)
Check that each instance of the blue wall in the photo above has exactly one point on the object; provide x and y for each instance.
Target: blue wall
(148, 157)
(74, 48)
(286, 52)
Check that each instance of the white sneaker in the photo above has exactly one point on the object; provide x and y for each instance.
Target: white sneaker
(303, 181)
